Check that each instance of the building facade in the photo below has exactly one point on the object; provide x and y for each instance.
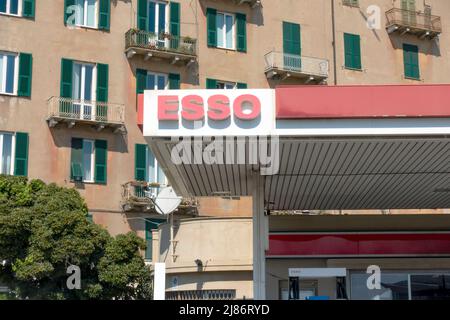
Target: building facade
(70, 73)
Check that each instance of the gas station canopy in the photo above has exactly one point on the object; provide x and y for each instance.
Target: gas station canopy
(343, 147)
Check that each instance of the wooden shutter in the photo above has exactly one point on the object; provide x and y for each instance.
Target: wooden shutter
(241, 30)
(101, 159)
(141, 80)
(140, 162)
(174, 81)
(142, 15)
(211, 21)
(66, 78)
(174, 27)
(102, 82)
(411, 61)
(21, 154)
(291, 38)
(28, 8)
(211, 84)
(352, 47)
(104, 15)
(241, 85)
(76, 159)
(68, 13)
(25, 74)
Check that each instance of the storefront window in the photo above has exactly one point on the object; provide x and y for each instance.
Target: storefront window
(430, 287)
(393, 287)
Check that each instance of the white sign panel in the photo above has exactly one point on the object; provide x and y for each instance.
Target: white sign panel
(159, 288)
(249, 112)
(317, 272)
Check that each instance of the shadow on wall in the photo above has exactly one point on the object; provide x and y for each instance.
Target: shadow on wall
(254, 15)
(430, 47)
(62, 137)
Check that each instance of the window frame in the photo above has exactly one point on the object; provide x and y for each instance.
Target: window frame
(224, 31)
(4, 70)
(83, 101)
(156, 167)
(85, 12)
(92, 159)
(8, 9)
(13, 151)
(225, 83)
(166, 15)
(156, 75)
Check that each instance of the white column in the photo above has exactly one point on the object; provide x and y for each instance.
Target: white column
(260, 238)
(159, 283)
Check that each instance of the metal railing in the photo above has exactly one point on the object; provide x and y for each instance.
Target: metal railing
(84, 110)
(135, 38)
(295, 63)
(229, 294)
(134, 194)
(413, 19)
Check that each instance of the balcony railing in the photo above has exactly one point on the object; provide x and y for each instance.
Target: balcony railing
(284, 64)
(72, 111)
(134, 198)
(227, 294)
(162, 45)
(413, 22)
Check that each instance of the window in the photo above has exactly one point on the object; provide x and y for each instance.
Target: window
(12, 7)
(406, 285)
(146, 166)
(292, 46)
(148, 80)
(14, 153)
(83, 90)
(218, 84)
(6, 153)
(157, 17)
(352, 49)
(411, 61)
(225, 31)
(88, 160)
(8, 73)
(150, 225)
(86, 13)
(351, 3)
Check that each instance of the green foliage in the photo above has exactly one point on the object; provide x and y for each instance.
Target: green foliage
(44, 229)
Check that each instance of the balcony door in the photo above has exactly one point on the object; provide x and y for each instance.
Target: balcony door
(292, 46)
(409, 13)
(83, 91)
(157, 18)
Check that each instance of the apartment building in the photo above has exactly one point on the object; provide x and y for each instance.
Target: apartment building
(71, 72)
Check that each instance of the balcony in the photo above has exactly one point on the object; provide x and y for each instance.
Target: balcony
(280, 66)
(412, 22)
(163, 46)
(135, 199)
(99, 115)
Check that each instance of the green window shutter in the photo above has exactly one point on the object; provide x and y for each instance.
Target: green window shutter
(140, 162)
(28, 8)
(411, 61)
(352, 47)
(90, 218)
(149, 226)
(76, 160)
(241, 85)
(104, 14)
(174, 19)
(291, 38)
(25, 71)
(21, 154)
(68, 13)
(101, 158)
(141, 80)
(102, 82)
(2, 5)
(241, 30)
(211, 84)
(211, 21)
(174, 81)
(66, 78)
(142, 15)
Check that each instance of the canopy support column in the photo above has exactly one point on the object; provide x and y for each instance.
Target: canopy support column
(260, 237)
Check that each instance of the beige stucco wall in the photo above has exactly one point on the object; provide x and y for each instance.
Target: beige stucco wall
(223, 245)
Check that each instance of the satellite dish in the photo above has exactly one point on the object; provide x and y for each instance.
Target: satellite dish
(167, 201)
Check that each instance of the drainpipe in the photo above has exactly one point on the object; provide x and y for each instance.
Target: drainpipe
(333, 23)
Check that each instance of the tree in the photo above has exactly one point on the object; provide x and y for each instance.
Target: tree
(44, 229)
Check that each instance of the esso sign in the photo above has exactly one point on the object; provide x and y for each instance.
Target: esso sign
(209, 112)
(217, 107)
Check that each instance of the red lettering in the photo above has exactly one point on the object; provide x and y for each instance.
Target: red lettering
(192, 108)
(168, 108)
(242, 103)
(218, 107)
